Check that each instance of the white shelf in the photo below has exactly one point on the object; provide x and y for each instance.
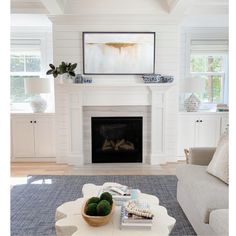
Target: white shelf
(28, 113)
(118, 85)
(206, 112)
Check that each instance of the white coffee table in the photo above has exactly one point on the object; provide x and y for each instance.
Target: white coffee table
(69, 221)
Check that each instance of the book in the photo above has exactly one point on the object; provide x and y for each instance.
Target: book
(127, 220)
(120, 193)
(115, 189)
(222, 107)
(135, 226)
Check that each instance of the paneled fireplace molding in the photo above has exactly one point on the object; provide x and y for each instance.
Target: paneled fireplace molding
(71, 98)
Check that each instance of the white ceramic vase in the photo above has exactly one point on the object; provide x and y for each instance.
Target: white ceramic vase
(64, 79)
(38, 104)
(67, 79)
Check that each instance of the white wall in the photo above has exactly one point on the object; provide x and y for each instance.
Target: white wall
(67, 46)
(67, 41)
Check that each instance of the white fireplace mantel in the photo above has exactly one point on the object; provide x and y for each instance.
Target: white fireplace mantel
(72, 98)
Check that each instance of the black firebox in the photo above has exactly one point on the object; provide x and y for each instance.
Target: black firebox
(117, 139)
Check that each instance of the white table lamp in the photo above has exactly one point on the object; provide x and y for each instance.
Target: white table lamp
(192, 85)
(36, 87)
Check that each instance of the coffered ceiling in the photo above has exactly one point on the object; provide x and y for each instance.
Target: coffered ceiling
(98, 7)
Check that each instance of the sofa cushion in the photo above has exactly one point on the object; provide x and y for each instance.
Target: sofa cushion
(206, 191)
(219, 221)
(219, 165)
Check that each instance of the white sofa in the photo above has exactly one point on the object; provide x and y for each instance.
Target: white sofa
(203, 197)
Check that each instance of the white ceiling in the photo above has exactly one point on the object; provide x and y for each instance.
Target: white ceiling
(30, 20)
(28, 7)
(191, 11)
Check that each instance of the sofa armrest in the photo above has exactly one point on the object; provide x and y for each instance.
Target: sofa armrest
(200, 155)
(219, 221)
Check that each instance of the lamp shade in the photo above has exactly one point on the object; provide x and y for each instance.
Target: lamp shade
(37, 86)
(192, 85)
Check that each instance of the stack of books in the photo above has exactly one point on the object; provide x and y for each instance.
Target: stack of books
(222, 107)
(129, 221)
(120, 193)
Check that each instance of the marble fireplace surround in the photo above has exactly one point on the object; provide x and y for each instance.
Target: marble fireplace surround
(71, 99)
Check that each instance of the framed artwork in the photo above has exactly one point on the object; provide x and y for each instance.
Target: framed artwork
(118, 53)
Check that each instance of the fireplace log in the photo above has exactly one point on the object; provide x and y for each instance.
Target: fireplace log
(107, 145)
(118, 143)
(127, 146)
(113, 144)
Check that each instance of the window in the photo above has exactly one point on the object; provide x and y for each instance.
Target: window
(209, 60)
(24, 64)
(29, 59)
(212, 69)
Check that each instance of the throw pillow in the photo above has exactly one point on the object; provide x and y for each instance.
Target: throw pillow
(219, 165)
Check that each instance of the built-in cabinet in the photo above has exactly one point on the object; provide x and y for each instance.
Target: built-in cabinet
(200, 129)
(32, 136)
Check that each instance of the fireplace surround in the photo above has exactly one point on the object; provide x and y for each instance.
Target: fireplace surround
(72, 99)
(117, 139)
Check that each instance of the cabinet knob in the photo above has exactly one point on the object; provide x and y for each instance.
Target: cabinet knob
(35, 121)
(197, 120)
(200, 120)
(31, 121)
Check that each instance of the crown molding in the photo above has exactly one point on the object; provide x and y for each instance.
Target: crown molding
(114, 19)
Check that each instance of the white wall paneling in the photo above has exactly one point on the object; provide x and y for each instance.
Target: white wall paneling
(76, 104)
(67, 46)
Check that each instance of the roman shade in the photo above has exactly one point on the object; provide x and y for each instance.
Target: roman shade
(209, 46)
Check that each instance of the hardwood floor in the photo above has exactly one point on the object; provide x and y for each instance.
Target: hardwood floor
(23, 169)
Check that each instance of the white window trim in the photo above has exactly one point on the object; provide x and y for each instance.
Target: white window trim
(213, 74)
(43, 50)
(25, 74)
(45, 60)
(203, 34)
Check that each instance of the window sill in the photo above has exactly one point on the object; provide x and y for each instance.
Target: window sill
(31, 112)
(25, 108)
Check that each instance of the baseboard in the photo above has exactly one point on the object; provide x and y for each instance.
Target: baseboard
(27, 159)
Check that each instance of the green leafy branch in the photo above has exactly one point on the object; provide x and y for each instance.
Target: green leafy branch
(62, 69)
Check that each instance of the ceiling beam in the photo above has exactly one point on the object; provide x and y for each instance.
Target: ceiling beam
(180, 6)
(54, 7)
(27, 7)
(168, 5)
(164, 5)
(172, 4)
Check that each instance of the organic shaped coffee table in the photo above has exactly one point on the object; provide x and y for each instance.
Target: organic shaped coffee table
(69, 221)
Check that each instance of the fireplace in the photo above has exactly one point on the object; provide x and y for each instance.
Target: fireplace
(117, 139)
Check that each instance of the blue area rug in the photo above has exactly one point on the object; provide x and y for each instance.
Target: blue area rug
(33, 205)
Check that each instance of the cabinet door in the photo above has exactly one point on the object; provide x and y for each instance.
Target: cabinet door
(208, 131)
(44, 137)
(186, 133)
(22, 131)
